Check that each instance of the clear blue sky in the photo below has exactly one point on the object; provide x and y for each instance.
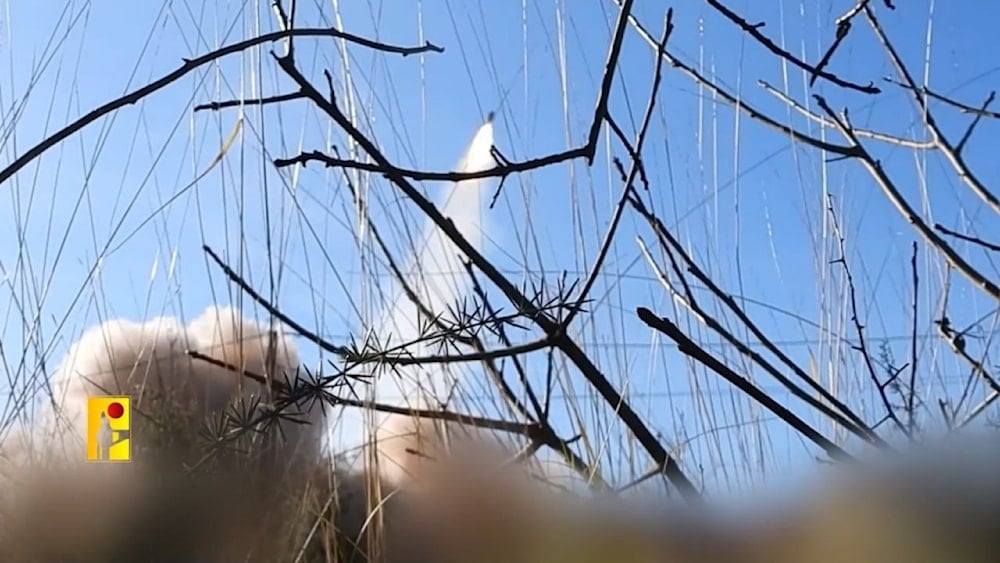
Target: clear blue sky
(746, 200)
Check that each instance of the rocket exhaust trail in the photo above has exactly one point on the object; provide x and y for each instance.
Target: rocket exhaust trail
(436, 274)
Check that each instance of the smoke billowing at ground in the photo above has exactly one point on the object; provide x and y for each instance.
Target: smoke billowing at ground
(736, 300)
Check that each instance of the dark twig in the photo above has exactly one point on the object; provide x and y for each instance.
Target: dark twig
(843, 28)
(888, 187)
(910, 407)
(754, 31)
(968, 238)
(636, 168)
(844, 25)
(188, 66)
(960, 146)
(275, 311)
(699, 354)
(961, 106)
(862, 345)
(215, 106)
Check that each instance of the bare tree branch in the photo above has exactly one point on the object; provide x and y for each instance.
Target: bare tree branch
(548, 325)
(188, 66)
(754, 31)
(689, 348)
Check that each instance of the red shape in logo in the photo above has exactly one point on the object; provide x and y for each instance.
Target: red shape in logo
(115, 410)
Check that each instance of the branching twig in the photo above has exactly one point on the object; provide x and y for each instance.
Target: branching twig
(188, 66)
(952, 154)
(754, 31)
(739, 104)
(862, 345)
(888, 187)
(636, 168)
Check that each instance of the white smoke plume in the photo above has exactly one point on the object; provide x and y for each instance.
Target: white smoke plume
(437, 276)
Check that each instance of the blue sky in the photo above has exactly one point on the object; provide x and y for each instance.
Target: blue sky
(747, 201)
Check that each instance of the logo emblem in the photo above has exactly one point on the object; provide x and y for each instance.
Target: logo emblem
(109, 422)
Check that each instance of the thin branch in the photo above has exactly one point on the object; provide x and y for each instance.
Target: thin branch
(739, 104)
(951, 154)
(967, 238)
(843, 29)
(903, 206)
(636, 167)
(960, 146)
(912, 424)
(844, 25)
(699, 354)
(607, 80)
(498, 171)
(188, 66)
(862, 345)
(215, 106)
(275, 311)
(754, 32)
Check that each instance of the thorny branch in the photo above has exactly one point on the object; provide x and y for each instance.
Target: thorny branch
(555, 330)
(486, 358)
(546, 323)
